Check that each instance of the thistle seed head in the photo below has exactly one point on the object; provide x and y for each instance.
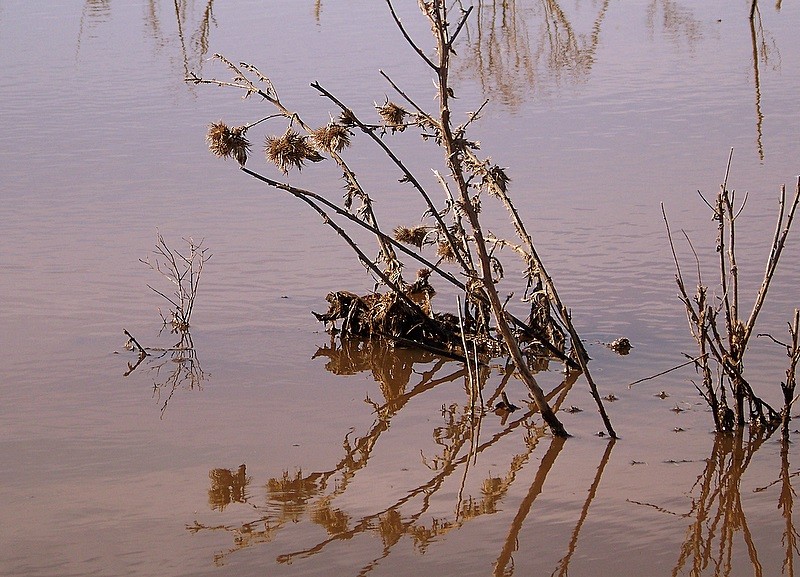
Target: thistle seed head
(445, 252)
(226, 142)
(393, 115)
(290, 150)
(332, 138)
(496, 181)
(414, 235)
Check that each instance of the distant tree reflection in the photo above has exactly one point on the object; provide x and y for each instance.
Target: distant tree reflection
(192, 26)
(513, 43)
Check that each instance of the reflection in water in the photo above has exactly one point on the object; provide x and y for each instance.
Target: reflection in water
(227, 487)
(94, 12)
(762, 50)
(172, 368)
(563, 565)
(717, 515)
(196, 24)
(510, 42)
(292, 500)
(193, 26)
(674, 19)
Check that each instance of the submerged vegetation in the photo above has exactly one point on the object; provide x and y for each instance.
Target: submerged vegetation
(451, 244)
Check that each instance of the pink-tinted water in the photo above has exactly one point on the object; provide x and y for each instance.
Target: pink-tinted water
(270, 461)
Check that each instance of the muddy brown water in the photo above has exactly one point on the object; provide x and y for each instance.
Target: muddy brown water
(276, 452)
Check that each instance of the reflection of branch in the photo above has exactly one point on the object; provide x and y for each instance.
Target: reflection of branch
(563, 565)
(512, 539)
(790, 534)
(717, 512)
(187, 372)
(756, 76)
(388, 522)
(505, 59)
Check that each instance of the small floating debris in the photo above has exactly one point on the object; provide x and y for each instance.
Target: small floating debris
(574, 409)
(638, 463)
(621, 346)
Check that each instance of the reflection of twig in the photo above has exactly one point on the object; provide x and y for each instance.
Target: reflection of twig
(717, 511)
(785, 503)
(756, 76)
(512, 539)
(388, 521)
(186, 373)
(563, 564)
(507, 57)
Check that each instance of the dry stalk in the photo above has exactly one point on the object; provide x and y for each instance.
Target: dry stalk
(183, 271)
(726, 346)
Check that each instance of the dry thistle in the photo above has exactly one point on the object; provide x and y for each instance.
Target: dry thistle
(495, 180)
(414, 235)
(290, 150)
(333, 137)
(445, 252)
(393, 115)
(227, 142)
(347, 118)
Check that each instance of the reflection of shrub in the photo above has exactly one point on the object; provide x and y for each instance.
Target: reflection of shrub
(227, 487)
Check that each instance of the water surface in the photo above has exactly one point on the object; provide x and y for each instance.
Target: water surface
(266, 457)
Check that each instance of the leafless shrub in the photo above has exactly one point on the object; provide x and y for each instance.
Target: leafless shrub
(721, 332)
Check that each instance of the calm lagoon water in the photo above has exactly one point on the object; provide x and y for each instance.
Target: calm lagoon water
(262, 455)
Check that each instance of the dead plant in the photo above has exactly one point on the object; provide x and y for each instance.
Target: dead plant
(717, 325)
(182, 270)
(452, 229)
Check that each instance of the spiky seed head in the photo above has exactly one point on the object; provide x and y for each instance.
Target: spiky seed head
(226, 142)
(290, 150)
(393, 115)
(332, 138)
(347, 118)
(496, 180)
(414, 235)
(445, 252)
